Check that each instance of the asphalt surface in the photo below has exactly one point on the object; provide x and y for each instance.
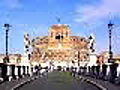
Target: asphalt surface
(106, 84)
(8, 85)
(58, 81)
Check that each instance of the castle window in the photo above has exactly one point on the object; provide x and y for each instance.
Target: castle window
(58, 37)
(66, 34)
(74, 39)
(51, 34)
(81, 39)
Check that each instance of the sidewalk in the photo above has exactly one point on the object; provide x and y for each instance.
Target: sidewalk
(8, 85)
(105, 84)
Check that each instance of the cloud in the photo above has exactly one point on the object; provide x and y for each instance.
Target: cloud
(11, 4)
(97, 12)
(95, 16)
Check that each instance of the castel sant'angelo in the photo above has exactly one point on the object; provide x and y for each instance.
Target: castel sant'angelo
(60, 45)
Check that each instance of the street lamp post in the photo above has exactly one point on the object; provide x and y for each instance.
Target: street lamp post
(7, 26)
(110, 27)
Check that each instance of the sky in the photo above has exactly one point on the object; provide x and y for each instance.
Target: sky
(84, 17)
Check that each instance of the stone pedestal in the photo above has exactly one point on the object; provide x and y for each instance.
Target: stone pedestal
(88, 70)
(16, 72)
(97, 73)
(104, 71)
(118, 71)
(108, 70)
(4, 72)
(118, 74)
(1, 72)
(113, 71)
(26, 70)
(9, 72)
(13, 71)
(21, 69)
(29, 71)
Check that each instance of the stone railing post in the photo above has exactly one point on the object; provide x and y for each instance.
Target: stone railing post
(16, 72)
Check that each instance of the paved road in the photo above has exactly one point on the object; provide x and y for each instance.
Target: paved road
(106, 84)
(9, 85)
(58, 81)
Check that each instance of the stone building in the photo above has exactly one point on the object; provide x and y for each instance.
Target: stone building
(13, 58)
(60, 45)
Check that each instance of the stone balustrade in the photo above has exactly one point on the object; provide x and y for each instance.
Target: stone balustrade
(108, 71)
(10, 71)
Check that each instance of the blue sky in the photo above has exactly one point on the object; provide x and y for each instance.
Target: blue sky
(36, 16)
